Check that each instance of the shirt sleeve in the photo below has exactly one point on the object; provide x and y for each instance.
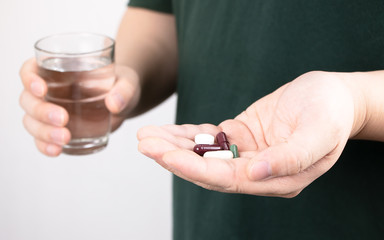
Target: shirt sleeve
(156, 5)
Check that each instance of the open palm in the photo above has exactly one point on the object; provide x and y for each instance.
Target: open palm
(286, 140)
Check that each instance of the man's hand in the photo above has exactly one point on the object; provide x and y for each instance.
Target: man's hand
(286, 140)
(46, 121)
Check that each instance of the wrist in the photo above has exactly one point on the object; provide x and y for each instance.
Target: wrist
(367, 92)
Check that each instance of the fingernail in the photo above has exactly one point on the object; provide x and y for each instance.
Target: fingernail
(260, 170)
(37, 89)
(52, 150)
(56, 118)
(119, 101)
(57, 136)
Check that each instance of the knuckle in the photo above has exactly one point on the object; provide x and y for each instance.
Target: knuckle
(40, 145)
(37, 109)
(25, 120)
(39, 130)
(213, 188)
(304, 159)
(43, 111)
(21, 99)
(22, 68)
(31, 105)
(227, 125)
(206, 186)
(48, 149)
(26, 77)
(145, 132)
(45, 135)
(29, 125)
(292, 164)
(236, 188)
(298, 161)
(285, 188)
(292, 194)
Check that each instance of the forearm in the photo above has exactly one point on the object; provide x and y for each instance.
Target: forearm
(146, 42)
(368, 94)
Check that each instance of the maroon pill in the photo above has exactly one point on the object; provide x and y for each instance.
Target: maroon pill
(222, 140)
(203, 148)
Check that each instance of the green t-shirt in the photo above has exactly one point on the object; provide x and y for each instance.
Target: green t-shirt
(232, 53)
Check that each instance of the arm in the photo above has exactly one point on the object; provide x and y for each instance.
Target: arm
(146, 66)
(146, 42)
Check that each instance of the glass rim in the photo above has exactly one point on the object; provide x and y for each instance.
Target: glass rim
(109, 46)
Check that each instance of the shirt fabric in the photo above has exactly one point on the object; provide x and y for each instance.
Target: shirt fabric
(231, 53)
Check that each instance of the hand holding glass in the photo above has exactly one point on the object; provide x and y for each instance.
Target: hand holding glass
(78, 69)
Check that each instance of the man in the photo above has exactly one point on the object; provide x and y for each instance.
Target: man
(248, 68)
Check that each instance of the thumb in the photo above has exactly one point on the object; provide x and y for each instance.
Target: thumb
(290, 157)
(125, 93)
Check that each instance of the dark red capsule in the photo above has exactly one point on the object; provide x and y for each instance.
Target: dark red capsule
(222, 140)
(203, 148)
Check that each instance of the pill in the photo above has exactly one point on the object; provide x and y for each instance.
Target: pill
(234, 150)
(204, 138)
(203, 148)
(222, 154)
(222, 140)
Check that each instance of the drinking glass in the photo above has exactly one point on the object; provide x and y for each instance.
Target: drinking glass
(79, 71)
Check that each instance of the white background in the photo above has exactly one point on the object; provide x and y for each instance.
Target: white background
(112, 195)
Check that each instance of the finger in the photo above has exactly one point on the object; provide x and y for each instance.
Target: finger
(43, 111)
(166, 134)
(222, 175)
(155, 148)
(125, 93)
(206, 172)
(291, 185)
(240, 134)
(190, 131)
(236, 131)
(218, 174)
(301, 150)
(31, 80)
(46, 133)
(230, 176)
(48, 149)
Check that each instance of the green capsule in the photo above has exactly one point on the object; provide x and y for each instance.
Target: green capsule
(234, 150)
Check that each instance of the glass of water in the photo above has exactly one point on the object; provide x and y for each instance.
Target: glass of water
(79, 71)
